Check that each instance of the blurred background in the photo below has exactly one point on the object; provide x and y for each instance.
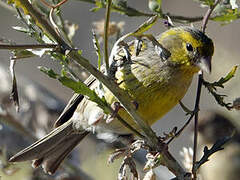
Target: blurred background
(91, 155)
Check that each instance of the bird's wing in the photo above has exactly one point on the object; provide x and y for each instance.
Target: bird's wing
(160, 51)
(72, 104)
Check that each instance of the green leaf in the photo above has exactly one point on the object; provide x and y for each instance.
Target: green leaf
(229, 16)
(78, 87)
(38, 52)
(212, 88)
(206, 2)
(28, 53)
(49, 72)
(146, 25)
(99, 5)
(225, 79)
(81, 88)
(20, 54)
(79, 52)
(21, 29)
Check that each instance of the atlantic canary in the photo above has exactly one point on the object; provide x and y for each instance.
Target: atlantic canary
(156, 79)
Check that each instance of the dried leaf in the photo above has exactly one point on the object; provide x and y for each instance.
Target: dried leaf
(21, 29)
(150, 175)
(234, 4)
(14, 92)
(236, 104)
(127, 162)
(153, 160)
(97, 49)
(71, 29)
(118, 153)
(20, 54)
(78, 87)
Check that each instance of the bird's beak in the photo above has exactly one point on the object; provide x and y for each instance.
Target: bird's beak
(205, 64)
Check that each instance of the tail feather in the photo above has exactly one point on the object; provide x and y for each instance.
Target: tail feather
(51, 150)
(54, 157)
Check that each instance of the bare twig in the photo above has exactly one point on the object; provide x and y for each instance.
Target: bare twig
(181, 130)
(207, 15)
(196, 108)
(200, 83)
(218, 146)
(44, 25)
(53, 6)
(27, 46)
(134, 12)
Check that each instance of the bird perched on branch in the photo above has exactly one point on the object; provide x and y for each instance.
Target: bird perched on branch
(155, 76)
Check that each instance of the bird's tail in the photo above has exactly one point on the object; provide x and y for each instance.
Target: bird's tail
(51, 150)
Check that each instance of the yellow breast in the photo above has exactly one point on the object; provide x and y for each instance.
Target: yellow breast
(156, 90)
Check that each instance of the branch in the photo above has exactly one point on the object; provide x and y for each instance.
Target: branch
(212, 88)
(42, 22)
(27, 46)
(200, 83)
(208, 14)
(208, 152)
(196, 109)
(134, 12)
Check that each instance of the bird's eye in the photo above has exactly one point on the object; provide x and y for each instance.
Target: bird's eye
(189, 47)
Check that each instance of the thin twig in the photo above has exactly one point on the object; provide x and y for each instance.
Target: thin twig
(200, 83)
(106, 26)
(176, 18)
(181, 130)
(44, 25)
(207, 15)
(196, 108)
(182, 19)
(27, 46)
(53, 6)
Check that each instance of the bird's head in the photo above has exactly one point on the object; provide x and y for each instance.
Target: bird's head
(188, 47)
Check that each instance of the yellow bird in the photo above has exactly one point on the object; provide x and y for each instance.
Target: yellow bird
(156, 79)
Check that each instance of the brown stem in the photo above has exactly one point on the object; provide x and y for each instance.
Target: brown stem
(196, 109)
(53, 6)
(207, 15)
(200, 82)
(181, 130)
(27, 46)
